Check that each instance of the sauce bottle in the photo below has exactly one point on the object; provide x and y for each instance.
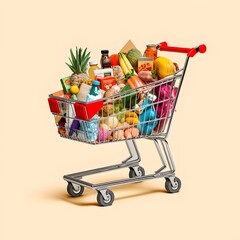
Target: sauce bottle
(105, 60)
(151, 51)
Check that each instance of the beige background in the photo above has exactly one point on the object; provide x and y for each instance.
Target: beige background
(204, 138)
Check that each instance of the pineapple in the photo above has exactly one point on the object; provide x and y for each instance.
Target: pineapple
(79, 67)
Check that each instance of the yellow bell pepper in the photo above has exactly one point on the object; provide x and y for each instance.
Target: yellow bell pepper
(164, 67)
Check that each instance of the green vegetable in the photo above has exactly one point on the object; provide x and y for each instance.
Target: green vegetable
(128, 100)
(154, 74)
(133, 56)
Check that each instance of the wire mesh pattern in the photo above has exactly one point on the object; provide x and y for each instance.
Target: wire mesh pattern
(143, 112)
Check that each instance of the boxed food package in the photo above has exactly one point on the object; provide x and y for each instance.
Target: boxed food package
(106, 82)
(145, 64)
(65, 84)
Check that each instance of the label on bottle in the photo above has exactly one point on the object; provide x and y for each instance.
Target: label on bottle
(105, 61)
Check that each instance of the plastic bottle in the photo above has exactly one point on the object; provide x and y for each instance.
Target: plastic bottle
(147, 118)
(90, 127)
(93, 66)
(94, 93)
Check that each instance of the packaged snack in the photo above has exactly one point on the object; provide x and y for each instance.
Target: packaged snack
(118, 74)
(145, 64)
(106, 82)
(66, 84)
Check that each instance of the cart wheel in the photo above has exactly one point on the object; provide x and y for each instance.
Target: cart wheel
(173, 189)
(75, 192)
(132, 173)
(105, 202)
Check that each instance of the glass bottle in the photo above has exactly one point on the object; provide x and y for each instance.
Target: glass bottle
(151, 51)
(105, 60)
(93, 66)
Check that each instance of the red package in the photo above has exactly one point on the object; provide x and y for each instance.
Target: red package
(106, 82)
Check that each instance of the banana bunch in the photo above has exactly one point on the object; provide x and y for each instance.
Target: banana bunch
(125, 64)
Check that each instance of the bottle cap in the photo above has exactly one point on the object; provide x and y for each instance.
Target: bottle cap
(96, 83)
(104, 51)
(151, 97)
(151, 45)
(93, 62)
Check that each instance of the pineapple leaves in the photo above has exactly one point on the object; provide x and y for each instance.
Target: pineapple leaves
(73, 58)
(71, 67)
(70, 61)
(79, 61)
(80, 58)
(84, 62)
(84, 53)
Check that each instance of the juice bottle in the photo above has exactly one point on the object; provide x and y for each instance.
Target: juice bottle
(93, 66)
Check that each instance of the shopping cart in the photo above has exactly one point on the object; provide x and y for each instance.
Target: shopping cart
(149, 110)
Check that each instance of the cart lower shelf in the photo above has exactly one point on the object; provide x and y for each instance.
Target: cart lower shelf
(105, 196)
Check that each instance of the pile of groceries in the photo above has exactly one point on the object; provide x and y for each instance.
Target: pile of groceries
(135, 103)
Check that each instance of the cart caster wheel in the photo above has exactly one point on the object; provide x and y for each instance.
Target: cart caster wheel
(173, 189)
(105, 202)
(132, 173)
(75, 192)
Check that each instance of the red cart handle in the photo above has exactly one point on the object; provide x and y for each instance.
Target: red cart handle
(163, 46)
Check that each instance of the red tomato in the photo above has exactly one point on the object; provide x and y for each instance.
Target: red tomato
(114, 60)
(67, 95)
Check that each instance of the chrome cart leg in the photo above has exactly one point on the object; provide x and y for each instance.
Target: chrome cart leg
(160, 155)
(168, 155)
(134, 153)
(173, 183)
(134, 159)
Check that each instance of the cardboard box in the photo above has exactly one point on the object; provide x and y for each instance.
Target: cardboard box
(128, 46)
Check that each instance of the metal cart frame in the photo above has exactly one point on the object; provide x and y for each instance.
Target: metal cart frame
(105, 196)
